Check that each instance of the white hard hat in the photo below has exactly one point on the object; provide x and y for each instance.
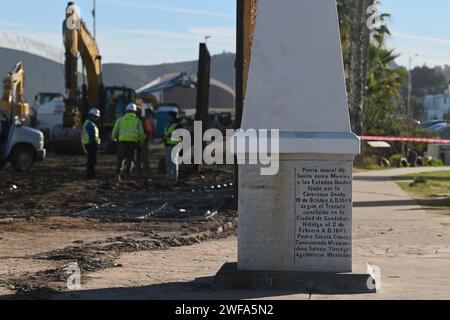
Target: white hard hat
(131, 107)
(148, 107)
(94, 112)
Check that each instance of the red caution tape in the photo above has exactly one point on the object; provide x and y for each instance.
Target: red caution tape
(424, 140)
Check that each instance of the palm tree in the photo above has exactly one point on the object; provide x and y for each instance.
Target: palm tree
(356, 43)
(357, 63)
(383, 83)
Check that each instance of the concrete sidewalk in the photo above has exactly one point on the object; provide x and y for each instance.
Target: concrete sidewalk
(411, 247)
(391, 231)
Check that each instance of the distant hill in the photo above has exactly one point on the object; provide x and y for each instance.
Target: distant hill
(44, 75)
(222, 69)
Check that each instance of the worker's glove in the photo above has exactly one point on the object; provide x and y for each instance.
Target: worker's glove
(84, 148)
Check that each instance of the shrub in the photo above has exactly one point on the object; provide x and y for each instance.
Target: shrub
(395, 159)
(432, 162)
(428, 161)
(437, 163)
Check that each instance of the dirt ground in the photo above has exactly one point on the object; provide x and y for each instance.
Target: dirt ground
(53, 216)
(410, 247)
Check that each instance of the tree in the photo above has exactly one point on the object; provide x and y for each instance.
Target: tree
(356, 42)
(359, 41)
(380, 112)
(418, 108)
(373, 84)
(427, 81)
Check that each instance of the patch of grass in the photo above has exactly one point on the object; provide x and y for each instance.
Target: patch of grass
(430, 189)
(431, 175)
(429, 184)
(373, 167)
(447, 225)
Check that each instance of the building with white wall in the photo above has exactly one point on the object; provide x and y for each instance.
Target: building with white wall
(437, 106)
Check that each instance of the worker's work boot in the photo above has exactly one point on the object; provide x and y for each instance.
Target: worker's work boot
(132, 169)
(121, 171)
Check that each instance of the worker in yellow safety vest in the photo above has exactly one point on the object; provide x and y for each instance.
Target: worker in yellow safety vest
(171, 156)
(129, 133)
(90, 141)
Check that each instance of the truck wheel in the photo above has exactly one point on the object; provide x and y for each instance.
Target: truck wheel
(22, 158)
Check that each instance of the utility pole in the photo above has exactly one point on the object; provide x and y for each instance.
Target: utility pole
(241, 6)
(94, 15)
(408, 110)
(203, 89)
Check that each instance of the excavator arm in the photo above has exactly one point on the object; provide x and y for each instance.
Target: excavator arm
(79, 42)
(13, 85)
(13, 99)
(246, 21)
(249, 15)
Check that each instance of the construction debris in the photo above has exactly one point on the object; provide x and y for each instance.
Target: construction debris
(59, 218)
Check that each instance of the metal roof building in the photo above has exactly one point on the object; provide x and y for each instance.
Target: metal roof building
(181, 89)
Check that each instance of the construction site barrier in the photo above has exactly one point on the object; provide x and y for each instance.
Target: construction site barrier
(423, 140)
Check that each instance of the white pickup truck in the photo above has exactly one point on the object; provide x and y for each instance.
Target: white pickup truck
(20, 145)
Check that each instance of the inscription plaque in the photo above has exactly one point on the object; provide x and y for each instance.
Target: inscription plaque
(323, 211)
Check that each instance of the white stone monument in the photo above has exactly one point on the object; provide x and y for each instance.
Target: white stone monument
(300, 219)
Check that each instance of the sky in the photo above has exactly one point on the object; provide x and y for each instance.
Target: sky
(419, 28)
(158, 31)
(141, 32)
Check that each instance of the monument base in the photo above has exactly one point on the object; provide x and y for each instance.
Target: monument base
(299, 220)
(230, 278)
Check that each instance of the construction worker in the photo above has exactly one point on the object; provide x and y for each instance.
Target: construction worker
(171, 162)
(128, 131)
(91, 140)
(143, 161)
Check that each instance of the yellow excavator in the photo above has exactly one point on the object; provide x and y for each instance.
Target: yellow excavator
(13, 93)
(246, 22)
(250, 8)
(112, 101)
